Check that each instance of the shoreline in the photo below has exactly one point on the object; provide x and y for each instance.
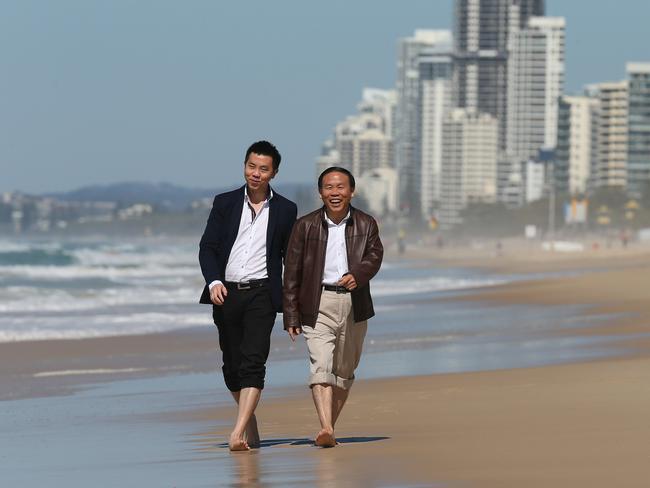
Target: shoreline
(112, 358)
(581, 423)
(103, 359)
(576, 424)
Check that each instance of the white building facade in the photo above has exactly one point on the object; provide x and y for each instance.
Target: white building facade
(363, 141)
(379, 189)
(407, 143)
(609, 163)
(535, 83)
(574, 143)
(469, 168)
(435, 102)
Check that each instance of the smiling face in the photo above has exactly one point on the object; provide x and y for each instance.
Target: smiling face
(258, 171)
(336, 194)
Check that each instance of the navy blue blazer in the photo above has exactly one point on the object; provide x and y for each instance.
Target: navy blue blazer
(221, 232)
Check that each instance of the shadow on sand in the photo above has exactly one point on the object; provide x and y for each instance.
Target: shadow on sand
(303, 441)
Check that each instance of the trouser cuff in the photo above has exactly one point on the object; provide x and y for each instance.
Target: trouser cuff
(232, 384)
(345, 383)
(330, 379)
(252, 383)
(322, 378)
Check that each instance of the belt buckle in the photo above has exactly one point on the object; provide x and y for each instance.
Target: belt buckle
(244, 286)
(341, 290)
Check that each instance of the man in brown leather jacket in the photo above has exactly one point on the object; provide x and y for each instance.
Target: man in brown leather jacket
(332, 254)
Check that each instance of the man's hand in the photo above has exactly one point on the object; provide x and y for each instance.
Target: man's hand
(294, 332)
(218, 294)
(348, 282)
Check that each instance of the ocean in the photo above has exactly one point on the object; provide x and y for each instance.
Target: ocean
(74, 290)
(100, 288)
(65, 290)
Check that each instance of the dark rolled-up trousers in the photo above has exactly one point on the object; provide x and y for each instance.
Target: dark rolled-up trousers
(245, 321)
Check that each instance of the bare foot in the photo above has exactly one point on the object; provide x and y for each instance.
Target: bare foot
(238, 444)
(252, 436)
(325, 438)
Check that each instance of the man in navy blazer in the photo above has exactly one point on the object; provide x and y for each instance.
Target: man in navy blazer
(241, 254)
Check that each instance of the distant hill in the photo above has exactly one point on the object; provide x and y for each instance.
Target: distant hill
(165, 195)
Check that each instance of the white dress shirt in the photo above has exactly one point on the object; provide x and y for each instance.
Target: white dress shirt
(247, 260)
(336, 255)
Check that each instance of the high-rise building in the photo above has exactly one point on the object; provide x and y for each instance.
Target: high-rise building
(574, 143)
(470, 146)
(573, 153)
(362, 145)
(535, 83)
(435, 102)
(363, 141)
(638, 150)
(382, 103)
(481, 34)
(609, 162)
(407, 144)
(378, 187)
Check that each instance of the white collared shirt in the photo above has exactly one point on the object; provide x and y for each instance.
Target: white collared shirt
(336, 255)
(247, 260)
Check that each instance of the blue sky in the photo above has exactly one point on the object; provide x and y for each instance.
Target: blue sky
(157, 90)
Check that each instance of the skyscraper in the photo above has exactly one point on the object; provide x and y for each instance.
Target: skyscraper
(609, 166)
(434, 103)
(407, 143)
(363, 141)
(638, 151)
(574, 143)
(535, 83)
(469, 162)
(481, 34)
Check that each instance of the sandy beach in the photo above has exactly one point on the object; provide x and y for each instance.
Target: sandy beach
(563, 425)
(567, 426)
(574, 425)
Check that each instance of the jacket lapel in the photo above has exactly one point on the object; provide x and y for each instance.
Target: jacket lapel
(273, 217)
(349, 233)
(235, 218)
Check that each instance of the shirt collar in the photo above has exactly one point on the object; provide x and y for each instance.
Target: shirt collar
(268, 196)
(342, 222)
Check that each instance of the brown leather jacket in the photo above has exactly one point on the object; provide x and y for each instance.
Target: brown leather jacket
(304, 264)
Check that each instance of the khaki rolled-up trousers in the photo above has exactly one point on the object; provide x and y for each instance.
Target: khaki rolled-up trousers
(335, 342)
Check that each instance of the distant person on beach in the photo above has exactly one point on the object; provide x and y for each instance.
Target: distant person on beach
(241, 255)
(332, 254)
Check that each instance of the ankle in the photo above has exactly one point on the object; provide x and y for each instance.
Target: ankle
(237, 434)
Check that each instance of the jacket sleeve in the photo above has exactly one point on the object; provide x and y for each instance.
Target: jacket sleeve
(373, 255)
(293, 276)
(293, 213)
(210, 245)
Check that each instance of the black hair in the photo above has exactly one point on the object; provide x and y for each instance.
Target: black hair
(265, 148)
(336, 169)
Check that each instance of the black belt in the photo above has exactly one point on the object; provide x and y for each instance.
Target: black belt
(246, 285)
(336, 288)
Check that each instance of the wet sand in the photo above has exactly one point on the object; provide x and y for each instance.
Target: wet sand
(44, 368)
(561, 426)
(571, 425)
